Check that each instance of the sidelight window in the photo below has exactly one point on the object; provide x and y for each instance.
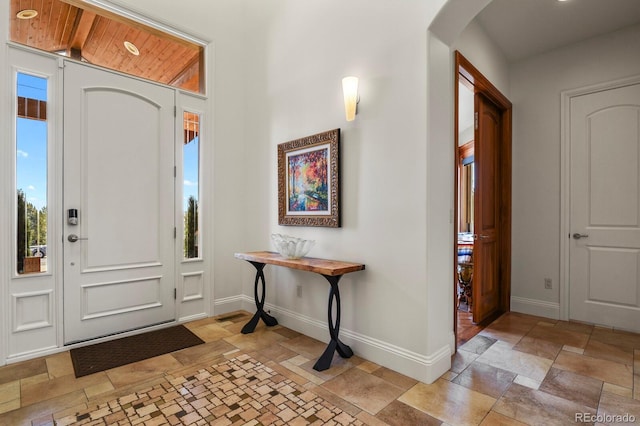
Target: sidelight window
(31, 174)
(191, 184)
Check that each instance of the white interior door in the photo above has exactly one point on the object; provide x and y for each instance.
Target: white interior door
(119, 175)
(604, 252)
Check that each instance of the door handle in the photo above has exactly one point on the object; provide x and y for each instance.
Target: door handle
(481, 236)
(577, 236)
(72, 238)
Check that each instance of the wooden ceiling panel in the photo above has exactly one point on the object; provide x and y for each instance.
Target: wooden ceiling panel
(61, 26)
(160, 60)
(50, 30)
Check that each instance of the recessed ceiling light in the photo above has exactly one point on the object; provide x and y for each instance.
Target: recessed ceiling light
(27, 14)
(131, 48)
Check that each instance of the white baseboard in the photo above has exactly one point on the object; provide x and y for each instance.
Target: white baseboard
(192, 318)
(229, 304)
(536, 307)
(425, 368)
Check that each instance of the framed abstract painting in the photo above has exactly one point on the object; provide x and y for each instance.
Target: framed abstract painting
(309, 181)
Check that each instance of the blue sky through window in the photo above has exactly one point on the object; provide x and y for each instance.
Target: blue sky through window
(31, 144)
(190, 170)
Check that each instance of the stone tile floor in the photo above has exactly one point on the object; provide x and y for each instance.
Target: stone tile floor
(239, 391)
(519, 370)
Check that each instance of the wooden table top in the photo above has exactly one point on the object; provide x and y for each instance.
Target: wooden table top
(311, 264)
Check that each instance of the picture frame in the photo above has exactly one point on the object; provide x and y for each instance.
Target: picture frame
(309, 180)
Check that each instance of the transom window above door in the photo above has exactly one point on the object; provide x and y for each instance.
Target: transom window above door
(81, 30)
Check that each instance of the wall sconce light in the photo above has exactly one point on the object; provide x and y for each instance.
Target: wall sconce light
(351, 99)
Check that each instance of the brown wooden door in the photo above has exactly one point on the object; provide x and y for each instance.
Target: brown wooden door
(486, 285)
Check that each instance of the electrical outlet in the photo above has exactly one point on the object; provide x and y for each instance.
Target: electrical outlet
(547, 283)
(299, 291)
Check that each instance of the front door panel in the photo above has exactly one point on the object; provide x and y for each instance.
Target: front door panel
(118, 174)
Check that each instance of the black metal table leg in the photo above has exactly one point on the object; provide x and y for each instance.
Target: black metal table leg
(324, 362)
(260, 313)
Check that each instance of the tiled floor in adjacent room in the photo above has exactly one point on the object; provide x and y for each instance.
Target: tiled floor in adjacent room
(519, 370)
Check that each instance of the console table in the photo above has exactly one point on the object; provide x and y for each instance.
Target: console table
(332, 270)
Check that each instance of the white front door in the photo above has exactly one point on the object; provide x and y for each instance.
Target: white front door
(119, 176)
(604, 248)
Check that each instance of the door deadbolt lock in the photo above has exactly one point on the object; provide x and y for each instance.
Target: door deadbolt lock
(72, 216)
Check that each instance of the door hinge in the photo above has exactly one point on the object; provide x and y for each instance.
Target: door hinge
(175, 294)
(175, 111)
(175, 232)
(475, 120)
(175, 171)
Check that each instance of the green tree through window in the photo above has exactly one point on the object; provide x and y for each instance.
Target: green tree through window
(191, 229)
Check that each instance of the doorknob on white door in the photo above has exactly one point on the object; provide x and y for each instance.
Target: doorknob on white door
(577, 236)
(72, 238)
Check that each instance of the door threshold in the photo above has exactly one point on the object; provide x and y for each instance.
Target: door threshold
(130, 331)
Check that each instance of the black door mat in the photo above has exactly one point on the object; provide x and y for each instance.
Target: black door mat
(115, 353)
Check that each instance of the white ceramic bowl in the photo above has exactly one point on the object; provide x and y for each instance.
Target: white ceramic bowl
(291, 247)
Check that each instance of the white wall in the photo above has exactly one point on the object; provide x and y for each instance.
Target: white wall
(479, 49)
(297, 57)
(536, 86)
